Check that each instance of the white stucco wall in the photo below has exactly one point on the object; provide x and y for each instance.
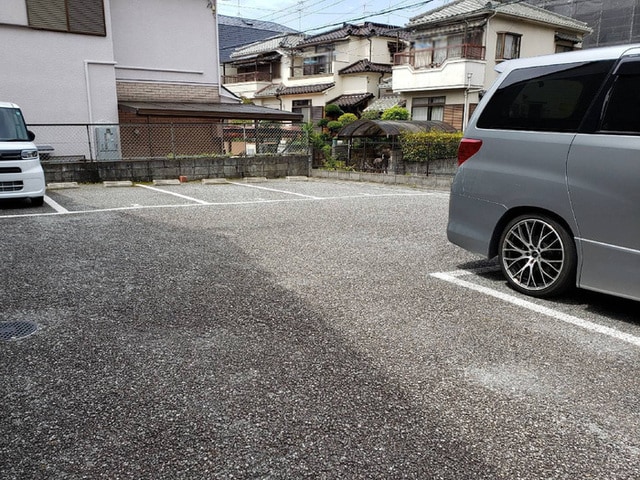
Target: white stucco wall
(165, 40)
(56, 77)
(536, 40)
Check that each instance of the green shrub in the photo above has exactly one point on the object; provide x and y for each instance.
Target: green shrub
(426, 146)
(323, 122)
(395, 113)
(371, 115)
(334, 126)
(332, 110)
(347, 118)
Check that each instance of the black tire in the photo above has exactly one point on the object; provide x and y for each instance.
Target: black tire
(537, 256)
(37, 201)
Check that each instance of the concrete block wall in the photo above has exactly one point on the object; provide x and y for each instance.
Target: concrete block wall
(436, 181)
(147, 170)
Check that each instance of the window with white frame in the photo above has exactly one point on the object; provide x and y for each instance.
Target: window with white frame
(73, 16)
(319, 61)
(508, 46)
(428, 108)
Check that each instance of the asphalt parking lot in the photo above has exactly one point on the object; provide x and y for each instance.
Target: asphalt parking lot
(295, 329)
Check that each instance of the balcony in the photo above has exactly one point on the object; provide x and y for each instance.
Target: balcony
(432, 69)
(248, 77)
(435, 57)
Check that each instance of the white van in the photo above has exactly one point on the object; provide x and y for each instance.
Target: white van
(549, 173)
(21, 175)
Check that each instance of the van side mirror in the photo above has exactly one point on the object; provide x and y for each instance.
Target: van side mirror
(31, 136)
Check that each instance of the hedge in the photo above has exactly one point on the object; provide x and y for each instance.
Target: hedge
(426, 146)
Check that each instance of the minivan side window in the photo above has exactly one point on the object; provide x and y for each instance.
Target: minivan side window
(548, 98)
(622, 105)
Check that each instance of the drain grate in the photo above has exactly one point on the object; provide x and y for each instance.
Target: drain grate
(16, 330)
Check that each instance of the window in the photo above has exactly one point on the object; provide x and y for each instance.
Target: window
(12, 125)
(549, 98)
(508, 46)
(303, 107)
(319, 62)
(73, 16)
(428, 108)
(623, 101)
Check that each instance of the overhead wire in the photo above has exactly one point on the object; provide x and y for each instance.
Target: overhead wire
(288, 14)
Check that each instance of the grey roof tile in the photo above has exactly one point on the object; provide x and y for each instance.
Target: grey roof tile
(351, 99)
(348, 30)
(279, 89)
(364, 66)
(463, 9)
(235, 32)
(267, 45)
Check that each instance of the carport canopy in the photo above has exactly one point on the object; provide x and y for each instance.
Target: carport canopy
(221, 111)
(392, 128)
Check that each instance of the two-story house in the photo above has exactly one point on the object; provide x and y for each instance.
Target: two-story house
(455, 48)
(343, 66)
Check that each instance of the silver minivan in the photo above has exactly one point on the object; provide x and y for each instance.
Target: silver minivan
(21, 174)
(549, 173)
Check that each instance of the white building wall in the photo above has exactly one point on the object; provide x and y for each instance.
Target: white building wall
(536, 40)
(56, 77)
(151, 45)
(380, 51)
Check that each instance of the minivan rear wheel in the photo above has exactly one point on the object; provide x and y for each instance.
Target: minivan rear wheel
(537, 256)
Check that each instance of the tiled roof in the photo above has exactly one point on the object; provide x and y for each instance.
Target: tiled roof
(279, 89)
(363, 66)
(267, 45)
(253, 23)
(235, 32)
(349, 30)
(384, 103)
(351, 100)
(463, 9)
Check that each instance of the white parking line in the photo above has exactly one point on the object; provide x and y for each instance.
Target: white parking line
(276, 190)
(60, 210)
(454, 277)
(55, 205)
(191, 199)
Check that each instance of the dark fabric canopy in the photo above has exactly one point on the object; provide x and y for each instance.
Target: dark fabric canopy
(391, 128)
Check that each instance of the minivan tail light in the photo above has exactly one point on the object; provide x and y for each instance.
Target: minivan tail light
(468, 148)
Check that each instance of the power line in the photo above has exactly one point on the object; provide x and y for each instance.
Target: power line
(288, 13)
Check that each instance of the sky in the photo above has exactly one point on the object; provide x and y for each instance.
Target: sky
(313, 16)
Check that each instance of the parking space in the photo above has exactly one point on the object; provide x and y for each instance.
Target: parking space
(100, 197)
(296, 329)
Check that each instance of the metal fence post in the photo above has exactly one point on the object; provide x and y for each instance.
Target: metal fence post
(89, 142)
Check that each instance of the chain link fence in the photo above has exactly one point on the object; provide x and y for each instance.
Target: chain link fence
(392, 155)
(108, 142)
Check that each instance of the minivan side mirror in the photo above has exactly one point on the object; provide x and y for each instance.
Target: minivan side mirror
(31, 136)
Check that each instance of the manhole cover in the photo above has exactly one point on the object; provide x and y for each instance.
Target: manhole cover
(15, 330)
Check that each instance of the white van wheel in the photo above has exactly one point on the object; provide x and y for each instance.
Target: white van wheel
(537, 256)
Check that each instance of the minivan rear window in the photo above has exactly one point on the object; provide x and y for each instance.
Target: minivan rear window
(547, 98)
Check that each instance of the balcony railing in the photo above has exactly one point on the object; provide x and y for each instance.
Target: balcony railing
(248, 77)
(434, 57)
